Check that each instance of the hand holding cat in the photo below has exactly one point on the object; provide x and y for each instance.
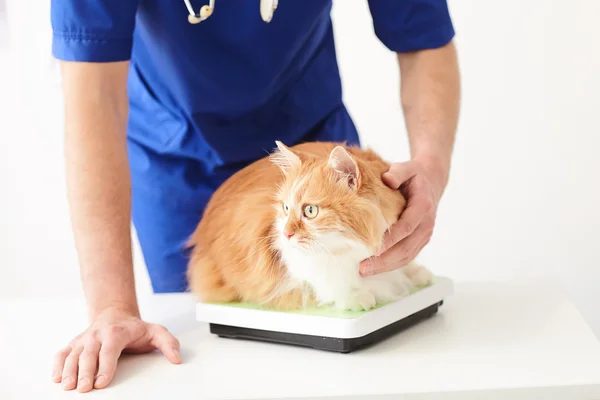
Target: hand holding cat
(423, 186)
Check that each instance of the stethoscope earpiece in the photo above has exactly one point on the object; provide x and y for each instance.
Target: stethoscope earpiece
(267, 9)
(206, 11)
(192, 19)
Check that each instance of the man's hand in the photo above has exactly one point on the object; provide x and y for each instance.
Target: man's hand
(90, 360)
(423, 184)
(430, 94)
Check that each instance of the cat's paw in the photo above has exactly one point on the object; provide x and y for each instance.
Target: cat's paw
(360, 300)
(418, 275)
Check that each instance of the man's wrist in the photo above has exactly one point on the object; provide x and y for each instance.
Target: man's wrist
(436, 165)
(128, 309)
(122, 301)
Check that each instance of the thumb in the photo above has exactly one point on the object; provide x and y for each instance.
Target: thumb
(398, 173)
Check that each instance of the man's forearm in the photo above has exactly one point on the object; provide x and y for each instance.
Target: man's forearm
(98, 182)
(430, 94)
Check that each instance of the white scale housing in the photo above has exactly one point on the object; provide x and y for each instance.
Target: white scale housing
(325, 329)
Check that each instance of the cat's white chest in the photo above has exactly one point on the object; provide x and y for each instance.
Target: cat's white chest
(335, 279)
(330, 277)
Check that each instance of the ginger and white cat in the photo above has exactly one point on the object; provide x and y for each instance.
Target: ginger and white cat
(290, 230)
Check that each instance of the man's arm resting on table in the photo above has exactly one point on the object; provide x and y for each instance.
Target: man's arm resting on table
(430, 96)
(99, 195)
(98, 182)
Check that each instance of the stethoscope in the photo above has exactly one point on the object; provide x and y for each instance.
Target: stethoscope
(267, 8)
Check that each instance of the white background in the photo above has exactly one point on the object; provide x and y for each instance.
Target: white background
(524, 198)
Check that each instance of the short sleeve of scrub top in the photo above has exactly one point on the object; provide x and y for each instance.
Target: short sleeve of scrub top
(93, 30)
(411, 25)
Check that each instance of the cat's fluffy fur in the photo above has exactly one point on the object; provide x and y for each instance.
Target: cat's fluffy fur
(241, 251)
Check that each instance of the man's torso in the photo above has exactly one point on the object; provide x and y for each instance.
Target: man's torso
(223, 90)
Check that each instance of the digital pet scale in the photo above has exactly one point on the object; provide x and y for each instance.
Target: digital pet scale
(324, 328)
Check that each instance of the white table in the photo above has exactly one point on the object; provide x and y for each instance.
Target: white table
(489, 341)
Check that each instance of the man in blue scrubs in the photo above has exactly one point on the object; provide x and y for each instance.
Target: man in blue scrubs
(160, 111)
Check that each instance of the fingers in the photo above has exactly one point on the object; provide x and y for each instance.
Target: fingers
(398, 255)
(69, 375)
(414, 214)
(88, 363)
(405, 226)
(411, 218)
(113, 342)
(166, 343)
(59, 363)
(398, 174)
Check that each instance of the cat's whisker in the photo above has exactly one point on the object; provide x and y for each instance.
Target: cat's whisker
(268, 250)
(312, 250)
(324, 247)
(260, 260)
(255, 249)
(333, 258)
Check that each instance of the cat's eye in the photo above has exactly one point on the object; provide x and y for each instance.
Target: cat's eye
(286, 208)
(311, 211)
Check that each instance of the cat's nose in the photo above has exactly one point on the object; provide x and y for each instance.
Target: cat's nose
(288, 234)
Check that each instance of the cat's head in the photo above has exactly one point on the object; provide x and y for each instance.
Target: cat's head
(332, 198)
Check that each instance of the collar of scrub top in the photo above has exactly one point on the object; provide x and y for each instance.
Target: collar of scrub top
(267, 8)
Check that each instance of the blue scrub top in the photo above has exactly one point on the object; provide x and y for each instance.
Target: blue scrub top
(233, 76)
(207, 99)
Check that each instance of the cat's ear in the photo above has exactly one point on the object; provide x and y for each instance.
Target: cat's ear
(345, 166)
(284, 157)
